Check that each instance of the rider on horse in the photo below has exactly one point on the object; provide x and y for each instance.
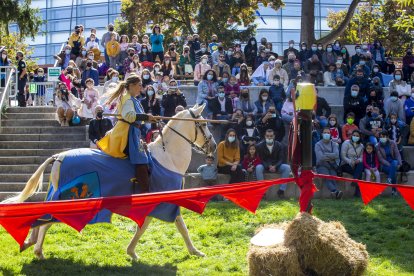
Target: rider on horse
(124, 140)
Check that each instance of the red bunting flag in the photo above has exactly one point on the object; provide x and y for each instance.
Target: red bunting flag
(369, 191)
(408, 194)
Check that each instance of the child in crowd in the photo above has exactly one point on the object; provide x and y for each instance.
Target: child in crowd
(208, 172)
(375, 125)
(250, 161)
(394, 130)
(371, 163)
(334, 129)
(250, 134)
(232, 85)
(41, 89)
(349, 127)
(277, 93)
(90, 100)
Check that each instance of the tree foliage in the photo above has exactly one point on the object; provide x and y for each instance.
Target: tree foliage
(230, 20)
(372, 22)
(12, 44)
(19, 12)
(406, 19)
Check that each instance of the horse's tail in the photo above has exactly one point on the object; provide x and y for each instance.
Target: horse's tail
(33, 185)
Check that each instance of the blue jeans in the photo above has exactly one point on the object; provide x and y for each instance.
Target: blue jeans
(283, 169)
(235, 71)
(391, 171)
(331, 184)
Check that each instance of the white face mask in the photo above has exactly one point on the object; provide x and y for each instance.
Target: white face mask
(249, 123)
(204, 61)
(4, 56)
(91, 57)
(264, 98)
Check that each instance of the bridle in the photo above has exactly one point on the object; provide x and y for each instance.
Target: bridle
(198, 127)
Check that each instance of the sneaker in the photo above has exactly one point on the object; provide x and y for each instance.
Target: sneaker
(389, 181)
(339, 194)
(281, 193)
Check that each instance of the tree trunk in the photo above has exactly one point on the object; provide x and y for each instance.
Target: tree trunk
(334, 34)
(307, 33)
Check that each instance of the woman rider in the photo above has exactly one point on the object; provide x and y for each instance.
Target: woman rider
(124, 140)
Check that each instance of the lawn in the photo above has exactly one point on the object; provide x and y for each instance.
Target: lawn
(386, 226)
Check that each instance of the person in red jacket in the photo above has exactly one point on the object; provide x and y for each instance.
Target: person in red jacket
(250, 161)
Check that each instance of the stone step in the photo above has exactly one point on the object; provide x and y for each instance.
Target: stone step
(23, 168)
(25, 116)
(42, 137)
(20, 177)
(43, 144)
(32, 109)
(30, 152)
(34, 198)
(22, 160)
(31, 122)
(44, 130)
(16, 187)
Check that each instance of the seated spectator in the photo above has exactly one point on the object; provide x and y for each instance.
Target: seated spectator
(199, 55)
(186, 64)
(250, 162)
(64, 57)
(93, 32)
(328, 76)
(371, 164)
(314, 51)
(114, 78)
(128, 60)
(135, 44)
(376, 73)
(221, 106)
(328, 57)
(124, 46)
(221, 67)
(201, 69)
(362, 65)
(250, 51)
(394, 105)
(233, 85)
(225, 79)
(167, 68)
(408, 64)
(250, 133)
(349, 126)
(278, 70)
(389, 67)
(146, 78)
(208, 172)
(262, 57)
(389, 158)
(89, 101)
(271, 153)
(237, 122)
(172, 99)
(90, 72)
(207, 88)
(327, 161)
(289, 62)
(228, 155)
(287, 108)
(374, 125)
(358, 55)
(344, 56)
(339, 75)
(263, 103)
(334, 129)
(98, 127)
(323, 110)
(394, 129)
(82, 57)
(290, 50)
(259, 76)
(272, 120)
(216, 54)
(65, 103)
(76, 42)
(235, 62)
(303, 53)
(229, 54)
(296, 71)
(397, 84)
(243, 77)
(113, 49)
(174, 57)
(375, 97)
(314, 69)
(409, 108)
(244, 103)
(150, 103)
(277, 93)
(89, 56)
(145, 57)
(351, 158)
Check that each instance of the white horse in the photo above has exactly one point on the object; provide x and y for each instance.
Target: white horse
(172, 150)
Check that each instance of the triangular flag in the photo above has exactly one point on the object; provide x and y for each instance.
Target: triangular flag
(18, 227)
(248, 200)
(197, 205)
(369, 191)
(408, 195)
(77, 220)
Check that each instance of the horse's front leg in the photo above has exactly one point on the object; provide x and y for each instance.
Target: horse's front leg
(182, 228)
(133, 244)
(32, 239)
(38, 250)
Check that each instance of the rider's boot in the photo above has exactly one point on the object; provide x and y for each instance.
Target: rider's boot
(141, 180)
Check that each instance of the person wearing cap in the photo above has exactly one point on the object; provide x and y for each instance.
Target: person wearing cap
(98, 127)
(289, 50)
(278, 70)
(76, 41)
(106, 38)
(200, 70)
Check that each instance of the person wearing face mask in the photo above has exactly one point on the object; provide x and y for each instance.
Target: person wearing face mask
(124, 46)
(364, 64)
(314, 69)
(358, 55)
(313, 51)
(186, 64)
(82, 56)
(244, 103)
(289, 63)
(259, 76)
(376, 97)
(90, 72)
(172, 99)
(334, 129)
(243, 77)
(250, 133)
(329, 56)
(207, 89)
(98, 127)
(135, 44)
(146, 78)
(221, 106)
(277, 93)
(41, 89)
(278, 70)
(399, 85)
(225, 80)
(395, 130)
(194, 44)
(327, 161)
(360, 80)
(408, 64)
(376, 72)
(167, 67)
(81, 63)
(374, 124)
(4, 61)
(212, 46)
(146, 58)
(150, 103)
(89, 101)
(113, 78)
(303, 53)
(263, 103)
(93, 35)
(228, 156)
(354, 103)
(200, 54)
(271, 120)
(250, 51)
(235, 62)
(201, 69)
(394, 105)
(389, 66)
(113, 49)
(389, 158)
(157, 43)
(290, 50)
(339, 75)
(409, 108)
(76, 41)
(64, 57)
(22, 75)
(349, 126)
(351, 158)
(260, 59)
(65, 103)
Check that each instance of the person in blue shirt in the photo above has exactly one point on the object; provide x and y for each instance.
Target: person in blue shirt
(259, 77)
(277, 93)
(361, 64)
(362, 81)
(212, 46)
(157, 40)
(90, 72)
(409, 108)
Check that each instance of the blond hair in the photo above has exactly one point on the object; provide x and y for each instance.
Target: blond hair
(116, 93)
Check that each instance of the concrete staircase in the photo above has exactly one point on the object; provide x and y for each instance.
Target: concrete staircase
(27, 138)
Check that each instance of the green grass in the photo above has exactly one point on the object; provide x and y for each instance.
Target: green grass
(223, 232)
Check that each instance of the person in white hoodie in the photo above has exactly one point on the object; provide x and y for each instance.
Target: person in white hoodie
(278, 70)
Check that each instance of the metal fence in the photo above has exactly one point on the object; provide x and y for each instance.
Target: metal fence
(42, 93)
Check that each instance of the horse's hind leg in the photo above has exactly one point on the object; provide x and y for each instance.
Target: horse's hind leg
(38, 250)
(32, 239)
(182, 228)
(133, 244)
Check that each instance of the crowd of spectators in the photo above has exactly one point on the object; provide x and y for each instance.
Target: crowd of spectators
(367, 139)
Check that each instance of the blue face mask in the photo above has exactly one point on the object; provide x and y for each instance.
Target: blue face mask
(362, 62)
(225, 79)
(397, 77)
(383, 140)
(354, 93)
(209, 77)
(221, 95)
(393, 98)
(355, 139)
(150, 93)
(358, 50)
(326, 136)
(269, 141)
(232, 139)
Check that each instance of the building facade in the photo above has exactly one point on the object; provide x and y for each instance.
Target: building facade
(62, 15)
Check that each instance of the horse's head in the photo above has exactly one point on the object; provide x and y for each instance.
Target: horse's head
(196, 133)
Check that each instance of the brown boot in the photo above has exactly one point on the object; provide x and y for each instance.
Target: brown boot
(141, 180)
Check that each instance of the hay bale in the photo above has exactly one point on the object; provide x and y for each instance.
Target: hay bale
(325, 248)
(276, 260)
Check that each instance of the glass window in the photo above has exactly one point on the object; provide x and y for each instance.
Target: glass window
(95, 21)
(325, 10)
(115, 8)
(59, 25)
(59, 3)
(271, 35)
(40, 4)
(291, 23)
(39, 39)
(288, 35)
(61, 13)
(58, 37)
(272, 22)
(39, 50)
(92, 10)
(268, 10)
(340, 2)
(13, 28)
(291, 10)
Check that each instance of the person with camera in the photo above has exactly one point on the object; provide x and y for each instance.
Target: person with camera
(327, 161)
(65, 103)
(157, 40)
(272, 120)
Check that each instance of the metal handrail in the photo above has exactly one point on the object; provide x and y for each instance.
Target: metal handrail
(7, 89)
(61, 49)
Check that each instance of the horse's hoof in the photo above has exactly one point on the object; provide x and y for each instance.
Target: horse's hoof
(39, 255)
(26, 245)
(197, 252)
(133, 255)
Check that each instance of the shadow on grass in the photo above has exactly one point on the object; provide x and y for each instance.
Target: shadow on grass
(55, 266)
